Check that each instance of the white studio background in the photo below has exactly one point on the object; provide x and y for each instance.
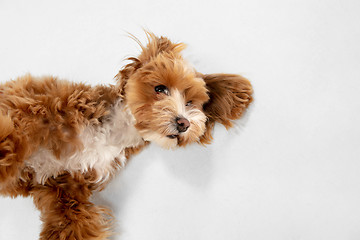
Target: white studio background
(289, 170)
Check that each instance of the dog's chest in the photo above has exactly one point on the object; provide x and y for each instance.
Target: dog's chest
(101, 146)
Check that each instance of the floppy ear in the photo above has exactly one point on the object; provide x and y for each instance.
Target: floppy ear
(124, 74)
(230, 95)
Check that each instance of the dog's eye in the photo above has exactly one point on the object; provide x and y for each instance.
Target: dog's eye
(189, 103)
(162, 89)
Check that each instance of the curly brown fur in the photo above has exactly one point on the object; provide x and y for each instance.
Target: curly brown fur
(46, 112)
(230, 95)
(60, 141)
(66, 210)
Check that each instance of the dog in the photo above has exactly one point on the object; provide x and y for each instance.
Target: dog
(60, 141)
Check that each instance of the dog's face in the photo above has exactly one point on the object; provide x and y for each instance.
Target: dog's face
(169, 99)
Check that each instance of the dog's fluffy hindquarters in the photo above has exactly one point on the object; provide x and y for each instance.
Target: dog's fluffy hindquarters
(59, 141)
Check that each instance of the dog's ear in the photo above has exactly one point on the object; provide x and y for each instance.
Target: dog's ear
(230, 95)
(124, 74)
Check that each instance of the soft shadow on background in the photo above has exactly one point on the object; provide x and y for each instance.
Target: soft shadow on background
(288, 170)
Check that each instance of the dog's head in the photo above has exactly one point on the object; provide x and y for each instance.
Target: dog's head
(172, 103)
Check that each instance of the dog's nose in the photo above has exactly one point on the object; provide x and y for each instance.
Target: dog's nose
(182, 124)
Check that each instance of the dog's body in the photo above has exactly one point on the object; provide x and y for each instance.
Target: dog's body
(59, 141)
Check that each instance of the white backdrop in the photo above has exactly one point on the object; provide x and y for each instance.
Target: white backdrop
(289, 170)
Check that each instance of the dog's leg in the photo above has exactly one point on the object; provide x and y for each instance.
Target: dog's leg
(67, 212)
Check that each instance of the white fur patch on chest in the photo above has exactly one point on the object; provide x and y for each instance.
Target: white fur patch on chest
(102, 144)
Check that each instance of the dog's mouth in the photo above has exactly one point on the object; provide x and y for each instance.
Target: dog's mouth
(173, 136)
